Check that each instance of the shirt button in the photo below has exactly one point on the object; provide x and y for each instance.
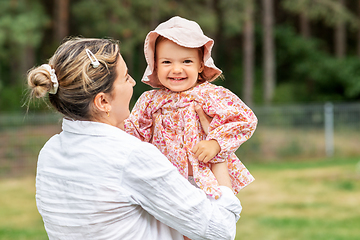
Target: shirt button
(181, 145)
(182, 129)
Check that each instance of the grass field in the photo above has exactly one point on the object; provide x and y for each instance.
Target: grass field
(315, 200)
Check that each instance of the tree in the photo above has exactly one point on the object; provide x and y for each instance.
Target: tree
(22, 24)
(340, 36)
(220, 19)
(332, 12)
(61, 19)
(269, 74)
(358, 31)
(248, 53)
(305, 30)
(239, 25)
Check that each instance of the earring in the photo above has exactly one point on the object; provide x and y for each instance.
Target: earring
(107, 112)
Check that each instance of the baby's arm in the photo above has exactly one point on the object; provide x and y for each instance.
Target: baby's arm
(207, 149)
(220, 170)
(140, 121)
(233, 122)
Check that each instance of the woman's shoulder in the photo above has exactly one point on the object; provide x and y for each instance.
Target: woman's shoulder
(127, 142)
(123, 150)
(141, 153)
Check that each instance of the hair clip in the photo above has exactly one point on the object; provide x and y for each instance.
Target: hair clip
(94, 62)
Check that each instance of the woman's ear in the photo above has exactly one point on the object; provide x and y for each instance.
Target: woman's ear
(102, 103)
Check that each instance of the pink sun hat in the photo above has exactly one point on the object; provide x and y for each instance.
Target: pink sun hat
(185, 33)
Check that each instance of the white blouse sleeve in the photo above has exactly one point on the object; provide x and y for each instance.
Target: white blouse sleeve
(157, 186)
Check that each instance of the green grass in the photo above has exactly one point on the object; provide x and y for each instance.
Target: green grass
(317, 200)
(19, 219)
(302, 200)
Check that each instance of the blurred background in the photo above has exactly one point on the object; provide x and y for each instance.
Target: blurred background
(271, 52)
(296, 63)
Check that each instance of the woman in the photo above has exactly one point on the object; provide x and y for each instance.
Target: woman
(94, 181)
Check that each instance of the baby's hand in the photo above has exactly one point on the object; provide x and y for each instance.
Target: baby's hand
(206, 150)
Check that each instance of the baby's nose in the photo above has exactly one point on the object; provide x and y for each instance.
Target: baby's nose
(177, 68)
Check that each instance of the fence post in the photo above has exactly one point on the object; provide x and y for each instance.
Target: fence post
(329, 129)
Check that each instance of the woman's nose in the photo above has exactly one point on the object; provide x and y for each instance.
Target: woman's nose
(132, 81)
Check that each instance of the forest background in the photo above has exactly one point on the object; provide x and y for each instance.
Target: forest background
(271, 51)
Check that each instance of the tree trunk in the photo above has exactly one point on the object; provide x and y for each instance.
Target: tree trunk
(340, 37)
(304, 25)
(154, 14)
(268, 52)
(218, 39)
(249, 54)
(26, 62)
(61, 21)
(358, 33)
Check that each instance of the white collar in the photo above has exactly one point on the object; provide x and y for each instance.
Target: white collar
(90, 128)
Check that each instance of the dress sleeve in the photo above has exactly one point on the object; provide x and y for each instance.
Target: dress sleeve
(156, 185)
(233, 122)
(139, 123)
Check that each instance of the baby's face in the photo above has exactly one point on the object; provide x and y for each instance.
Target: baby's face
(177, 67)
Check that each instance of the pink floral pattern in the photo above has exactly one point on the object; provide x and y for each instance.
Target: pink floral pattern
(169, 121)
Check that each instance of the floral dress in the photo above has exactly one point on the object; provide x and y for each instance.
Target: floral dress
(168, 120)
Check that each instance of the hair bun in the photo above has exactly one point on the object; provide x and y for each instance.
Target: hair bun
(39, 81)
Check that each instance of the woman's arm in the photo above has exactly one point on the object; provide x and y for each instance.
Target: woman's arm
(158, 187)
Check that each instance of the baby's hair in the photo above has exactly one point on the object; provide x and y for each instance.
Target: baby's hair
(79, 82)
(202, 77)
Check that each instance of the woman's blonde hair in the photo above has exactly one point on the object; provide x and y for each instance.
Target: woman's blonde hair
(79, 82)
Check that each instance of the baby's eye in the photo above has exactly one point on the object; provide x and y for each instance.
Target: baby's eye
(165, 62)
(188, 61)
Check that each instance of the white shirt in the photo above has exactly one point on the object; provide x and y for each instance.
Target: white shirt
(94, 181)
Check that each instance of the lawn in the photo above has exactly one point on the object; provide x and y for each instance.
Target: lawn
(19, 219)
(308, 200)
(288, 201)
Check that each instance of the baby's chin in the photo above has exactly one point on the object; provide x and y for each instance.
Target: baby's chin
(180, 88)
